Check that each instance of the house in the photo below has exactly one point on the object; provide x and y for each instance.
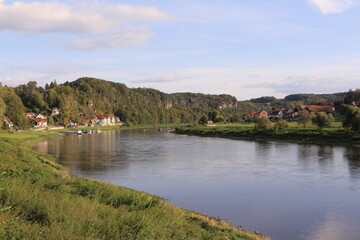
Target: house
(210, 124)
(257, 114)
(40, 116)
(30, 115)
(317, 109)
(8, 122)
(40, 122)
(55, 111)
(89, 121)
(105, 120)
(73, 123)
(356, 103)
(264, 113)
(289, 114)
(251, 115)
(277, 114)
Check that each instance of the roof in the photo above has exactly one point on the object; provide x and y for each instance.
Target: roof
(40, 120)
(277, 112)
(7, 120)
(318, 108)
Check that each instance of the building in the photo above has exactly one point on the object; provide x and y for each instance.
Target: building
(263, 113)
(30, 115)
(40, 122)
(8, 122)
(277, 114)
(317, 109)
(55, 111)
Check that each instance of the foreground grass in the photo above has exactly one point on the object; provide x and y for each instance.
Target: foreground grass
(40, 200)
(293, 133)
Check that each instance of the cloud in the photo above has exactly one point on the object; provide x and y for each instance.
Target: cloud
(159, 79)
(332, 6)
(45, 17)
(103, 25)
(308, 84)
(127, 37)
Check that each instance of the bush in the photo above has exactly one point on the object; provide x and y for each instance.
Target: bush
(281, 124)
(352, 117)
(262, 123)
(304, 118)
(323, 120)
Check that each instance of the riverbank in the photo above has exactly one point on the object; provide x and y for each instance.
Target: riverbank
(293, 133)
(39, 199)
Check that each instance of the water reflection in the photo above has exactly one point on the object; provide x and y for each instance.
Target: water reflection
(335, 226)
(352, 154)
(287, 191)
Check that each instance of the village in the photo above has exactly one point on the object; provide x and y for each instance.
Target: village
(40, 121)
(289, 114)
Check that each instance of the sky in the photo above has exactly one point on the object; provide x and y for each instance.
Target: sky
(244, 48)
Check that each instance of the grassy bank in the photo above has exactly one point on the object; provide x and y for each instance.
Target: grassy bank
(293, 133)
(40, 200)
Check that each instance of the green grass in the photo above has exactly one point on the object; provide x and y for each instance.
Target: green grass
(39, 199)
(334, 134)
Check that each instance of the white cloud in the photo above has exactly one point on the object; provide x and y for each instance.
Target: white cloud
(44, 17)
(159, 79)
(332, 6)
(127, 37)
(105, 25)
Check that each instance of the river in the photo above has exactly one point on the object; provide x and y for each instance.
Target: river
(284, 190)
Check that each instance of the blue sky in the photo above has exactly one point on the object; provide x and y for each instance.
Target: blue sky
(243, 48)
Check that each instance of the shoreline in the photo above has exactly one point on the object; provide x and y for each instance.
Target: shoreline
(309, 137)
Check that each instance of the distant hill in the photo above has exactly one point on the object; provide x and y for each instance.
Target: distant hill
(90, 96)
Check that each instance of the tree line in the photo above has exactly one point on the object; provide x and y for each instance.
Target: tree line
(87, 97)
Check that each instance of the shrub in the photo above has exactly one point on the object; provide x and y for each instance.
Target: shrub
(281, 124)
(262, 123)
(352, 117)
(304, 118)
(323, 120)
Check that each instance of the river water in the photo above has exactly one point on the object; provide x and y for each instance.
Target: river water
(284, 190)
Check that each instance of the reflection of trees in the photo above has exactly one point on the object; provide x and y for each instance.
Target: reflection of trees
(263, 149)
(326, 154)
(309, 154)
(89, 152)
(352, 154)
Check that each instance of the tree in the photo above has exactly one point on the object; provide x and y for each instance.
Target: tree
(262, 123)
(304, 118)
(66, 121)
(216, 116)
(235, 118)
(352, 117)
(323, 120)
(280, 124)
(2, 111)
(203, 119)
(15, 109)
(51, 121)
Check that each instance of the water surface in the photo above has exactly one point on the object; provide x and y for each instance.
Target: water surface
(286, 191)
